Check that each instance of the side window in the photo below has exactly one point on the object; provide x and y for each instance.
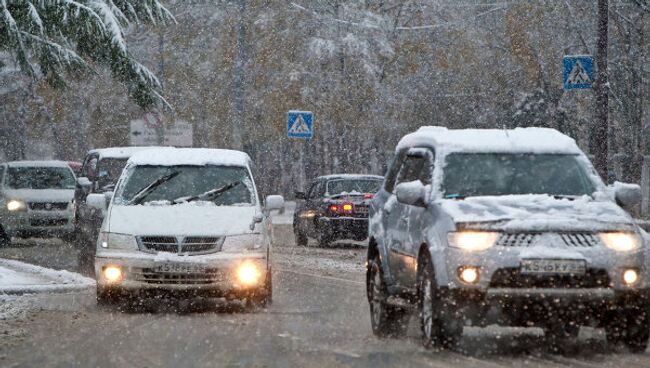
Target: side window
(90, 167)
(418, 165)
(393, 170)
(313, 191)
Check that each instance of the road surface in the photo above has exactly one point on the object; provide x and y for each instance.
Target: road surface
(319, 318)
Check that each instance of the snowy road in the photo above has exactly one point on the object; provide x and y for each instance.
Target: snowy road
(319, 318)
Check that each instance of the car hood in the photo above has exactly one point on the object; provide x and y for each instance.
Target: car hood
(537, 213)
(40, 195)
(188, 219)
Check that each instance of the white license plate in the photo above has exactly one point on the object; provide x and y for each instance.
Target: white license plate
(179, 268)
(553, 266)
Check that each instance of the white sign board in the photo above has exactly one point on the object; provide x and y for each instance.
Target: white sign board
(178, 134)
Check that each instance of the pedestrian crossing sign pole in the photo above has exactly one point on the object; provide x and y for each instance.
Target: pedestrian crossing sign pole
(300, 124)
(578, 72)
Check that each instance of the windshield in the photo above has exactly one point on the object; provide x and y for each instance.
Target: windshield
(186, 181)
(353, 186)
(109, 170)
(39, 178)
(495, 174)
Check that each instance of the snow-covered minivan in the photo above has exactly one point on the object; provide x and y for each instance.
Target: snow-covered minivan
(186, 220)
(475, 227)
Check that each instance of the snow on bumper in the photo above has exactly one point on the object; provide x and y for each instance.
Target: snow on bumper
(31, 222)
(218, 272)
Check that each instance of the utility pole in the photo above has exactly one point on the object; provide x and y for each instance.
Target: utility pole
(160, 129)
(601, 88)
(240, 79)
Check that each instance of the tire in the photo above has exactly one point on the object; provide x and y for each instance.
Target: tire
(105, 298)
(301, 239)
(438, 322)
(264, 297)
(386, 320)
(324, 239)
(630, 327)
(5, 240)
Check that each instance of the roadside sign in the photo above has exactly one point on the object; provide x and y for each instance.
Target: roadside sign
(300, 124)
(178, 134)
(578, 72)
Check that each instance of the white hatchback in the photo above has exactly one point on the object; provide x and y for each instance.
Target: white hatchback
(189, 222)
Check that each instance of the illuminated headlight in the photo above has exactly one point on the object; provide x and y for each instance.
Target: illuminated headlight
(242, 242)
(472, 241)
(621, 241)
(630, 276)
(113, 274)
(16, 205)
(117, 241)
(309, 214)
(248, 274)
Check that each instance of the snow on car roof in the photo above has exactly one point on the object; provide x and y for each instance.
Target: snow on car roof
(349, 176)
(41, 163)
(528, 140)
(190, 156)
(119, 152)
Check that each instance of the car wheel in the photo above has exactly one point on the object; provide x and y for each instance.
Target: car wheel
(324, 239)
(386, 320)
(629, 326)
(105, 297)
(438, 323)
(301, 239)
(264, 297)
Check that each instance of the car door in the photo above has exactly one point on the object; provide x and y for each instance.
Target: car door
(313, 203)
(419, 217)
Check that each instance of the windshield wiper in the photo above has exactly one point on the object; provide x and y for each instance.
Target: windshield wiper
(210, 195)
(144, 192)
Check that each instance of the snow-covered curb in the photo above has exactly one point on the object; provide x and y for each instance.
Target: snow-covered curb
(21, 278)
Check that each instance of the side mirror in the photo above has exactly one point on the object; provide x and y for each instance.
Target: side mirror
(627, 195)
(98, 201)
(411, 193)
(274, 202)
(300, 195)
(84, 182)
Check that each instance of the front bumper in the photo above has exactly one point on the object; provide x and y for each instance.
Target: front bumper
(212, 274)
(34, 223)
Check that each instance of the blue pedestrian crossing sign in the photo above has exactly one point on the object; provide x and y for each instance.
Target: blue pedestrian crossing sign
(578, 72)
(300, 124)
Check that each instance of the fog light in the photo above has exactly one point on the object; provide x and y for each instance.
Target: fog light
(248, 274)
(14, 205)
(468, 275)
(630, 276)
(113, 273)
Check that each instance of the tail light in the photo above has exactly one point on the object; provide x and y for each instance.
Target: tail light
(333, 208)
(368, 196)
(347, 208)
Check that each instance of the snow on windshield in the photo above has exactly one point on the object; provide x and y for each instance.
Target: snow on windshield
(185, 182)
(39, 178)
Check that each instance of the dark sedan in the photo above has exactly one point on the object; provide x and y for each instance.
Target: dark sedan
(335, 207)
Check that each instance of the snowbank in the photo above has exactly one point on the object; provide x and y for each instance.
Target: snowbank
(19, 278)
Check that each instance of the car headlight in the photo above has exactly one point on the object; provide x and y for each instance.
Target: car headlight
(117, 241)
(621, 241)
(16, 205)
(242, 242)
(472, 241)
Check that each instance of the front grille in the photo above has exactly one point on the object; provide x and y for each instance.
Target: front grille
(196, 244)
(580, 239)
(48, 206)
(513, 278)
(159, 244)
(48, 222)
(516, 239)
(151, 276)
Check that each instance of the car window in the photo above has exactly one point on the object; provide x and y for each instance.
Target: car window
(40, 178)
(89, 167)
(393, 171)
(418, 165)
(314, 190)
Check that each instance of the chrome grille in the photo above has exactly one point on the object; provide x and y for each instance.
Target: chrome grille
(580, 239)
(48, 206)
(196, 244)
(159, 244)
(151, 276)
(516, 239)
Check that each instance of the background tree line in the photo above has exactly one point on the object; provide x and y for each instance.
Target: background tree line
(370, 70)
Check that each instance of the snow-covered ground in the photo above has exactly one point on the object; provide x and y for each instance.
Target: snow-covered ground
(20, 278)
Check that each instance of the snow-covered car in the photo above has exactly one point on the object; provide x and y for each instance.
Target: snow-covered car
(186, 220)
(335, 208)
(35, 199)
(514, 227)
